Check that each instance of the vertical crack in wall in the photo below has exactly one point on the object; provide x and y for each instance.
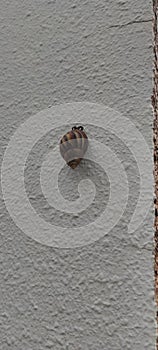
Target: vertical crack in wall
(155, 138)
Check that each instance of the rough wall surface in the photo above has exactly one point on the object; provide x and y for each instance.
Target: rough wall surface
(99, 296)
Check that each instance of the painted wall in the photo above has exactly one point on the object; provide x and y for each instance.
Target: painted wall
(99, 296)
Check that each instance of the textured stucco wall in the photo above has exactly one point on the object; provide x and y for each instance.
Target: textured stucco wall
(99, 296)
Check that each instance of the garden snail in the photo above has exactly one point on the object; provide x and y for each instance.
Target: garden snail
(73, 146)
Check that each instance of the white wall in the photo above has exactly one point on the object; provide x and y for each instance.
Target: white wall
(99, 296)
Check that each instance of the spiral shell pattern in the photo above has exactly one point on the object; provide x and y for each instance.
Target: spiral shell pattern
(73, 146)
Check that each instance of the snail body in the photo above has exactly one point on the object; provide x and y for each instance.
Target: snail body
(73, 146)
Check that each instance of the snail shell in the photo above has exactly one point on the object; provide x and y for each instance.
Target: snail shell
(73, 146)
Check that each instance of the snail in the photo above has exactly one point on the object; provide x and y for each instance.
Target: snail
(73, 146)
